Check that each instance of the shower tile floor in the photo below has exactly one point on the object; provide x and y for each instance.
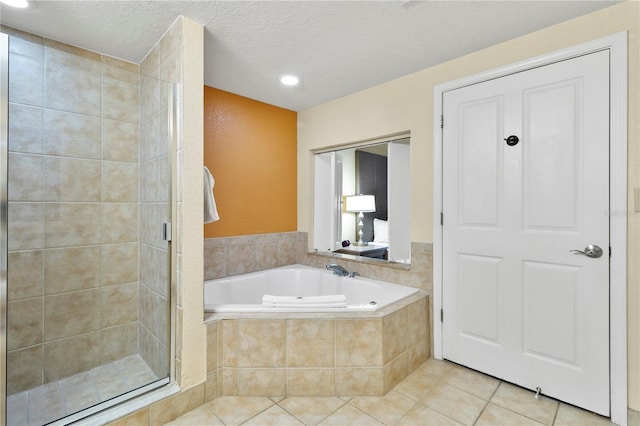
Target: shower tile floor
(46, 403)
(437, 393)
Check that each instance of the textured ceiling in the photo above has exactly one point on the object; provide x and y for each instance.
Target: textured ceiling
(335, 47)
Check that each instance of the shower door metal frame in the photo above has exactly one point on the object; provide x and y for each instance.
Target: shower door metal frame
(173, 130)
(4, 150)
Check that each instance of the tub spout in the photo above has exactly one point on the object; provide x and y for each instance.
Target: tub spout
(337, 269)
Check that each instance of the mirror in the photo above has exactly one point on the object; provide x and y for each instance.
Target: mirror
(362, 201)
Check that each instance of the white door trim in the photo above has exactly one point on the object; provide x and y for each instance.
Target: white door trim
(617, 46)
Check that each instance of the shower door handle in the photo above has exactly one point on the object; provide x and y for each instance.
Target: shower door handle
(590, 251)
(166, 231)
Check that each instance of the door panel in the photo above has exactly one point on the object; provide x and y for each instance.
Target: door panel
(550, 158)
(518, 304)
(479, 286)
(547, 323)
(480, 187)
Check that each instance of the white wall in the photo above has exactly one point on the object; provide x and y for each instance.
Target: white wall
(399, 198)
(406, 105)
(348, 188)
(191, 332)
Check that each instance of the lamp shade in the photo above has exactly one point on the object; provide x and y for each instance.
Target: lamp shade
(361, 203)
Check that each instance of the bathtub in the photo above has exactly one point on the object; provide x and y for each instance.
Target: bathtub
(364, 349)
(243, 293)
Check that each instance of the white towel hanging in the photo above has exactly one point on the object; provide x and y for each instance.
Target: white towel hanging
(210, 210)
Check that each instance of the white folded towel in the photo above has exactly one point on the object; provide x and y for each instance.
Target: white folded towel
(210, 210)
(305, 305)
(328, 301)
(329, 298)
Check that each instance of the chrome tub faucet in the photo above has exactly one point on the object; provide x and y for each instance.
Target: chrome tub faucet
(337, 269)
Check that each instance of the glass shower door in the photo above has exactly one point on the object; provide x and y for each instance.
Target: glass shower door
(88, 190)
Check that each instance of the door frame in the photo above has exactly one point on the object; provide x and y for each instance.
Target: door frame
(617, 46)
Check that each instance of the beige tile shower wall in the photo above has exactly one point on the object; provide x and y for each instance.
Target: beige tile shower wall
(73, 216)
(158, 72)
(187, 219)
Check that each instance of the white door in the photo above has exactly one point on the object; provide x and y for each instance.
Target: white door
(517, 303)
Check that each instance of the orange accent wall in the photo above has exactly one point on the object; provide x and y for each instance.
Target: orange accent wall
(250, 149)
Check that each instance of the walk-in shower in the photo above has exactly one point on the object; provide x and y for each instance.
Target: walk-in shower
(85, 175)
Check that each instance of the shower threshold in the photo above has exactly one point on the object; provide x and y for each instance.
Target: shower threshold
(64, 397)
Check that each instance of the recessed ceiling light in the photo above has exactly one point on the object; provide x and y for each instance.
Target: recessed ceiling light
(289, 80)
(16, 3)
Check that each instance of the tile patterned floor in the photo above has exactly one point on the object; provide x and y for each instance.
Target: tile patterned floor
(58, 399)
(437, 393)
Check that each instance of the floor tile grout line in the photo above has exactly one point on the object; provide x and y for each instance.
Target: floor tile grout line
(555, 415)
(323, 419)
(415, 404)
(367, 414)
(478, 372)
(506, 408)
(522, 414)
(212, 412)
(336, 410)
(441, 381)
(436, 411)
(257, 414)
(290, 413)
(487, 403)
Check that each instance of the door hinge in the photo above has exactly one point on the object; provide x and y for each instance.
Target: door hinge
(441, 315)
(441, 219)
(609, 251)
(442, 121)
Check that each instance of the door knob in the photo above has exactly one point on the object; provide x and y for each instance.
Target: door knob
(590, 251)
(512, 140)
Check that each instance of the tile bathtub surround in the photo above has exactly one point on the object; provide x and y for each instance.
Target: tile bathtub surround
(69, 111)
(325, 356)
(418, 274)
(229, 256)
(319, 356)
